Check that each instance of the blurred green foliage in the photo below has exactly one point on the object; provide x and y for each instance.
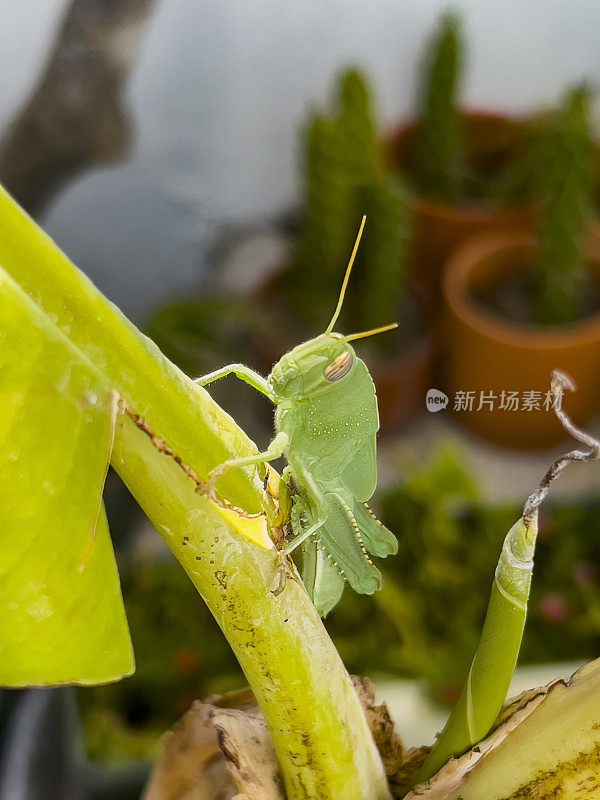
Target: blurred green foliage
(439, 169)
(426, 620)
(343, 178)
(423, 624)
(200, 335)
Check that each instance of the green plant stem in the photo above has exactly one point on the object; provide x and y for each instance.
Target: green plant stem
(318, 728)
(497, 652)
(300, 684)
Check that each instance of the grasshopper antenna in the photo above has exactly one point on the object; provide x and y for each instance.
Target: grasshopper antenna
(561, 382)
(363, 334)
(338, 308)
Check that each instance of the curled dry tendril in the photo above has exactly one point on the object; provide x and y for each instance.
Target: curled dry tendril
(561, 382)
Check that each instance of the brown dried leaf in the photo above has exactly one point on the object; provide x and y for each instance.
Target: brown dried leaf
(222, 746)
(246, 745)
(192, 766)
(404, 776)
(220, 750)
(400, 765)
(381, 725)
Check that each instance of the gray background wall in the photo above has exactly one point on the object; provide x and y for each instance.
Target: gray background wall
(218, 92)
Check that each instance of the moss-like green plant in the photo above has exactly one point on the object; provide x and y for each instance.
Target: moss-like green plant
(343, 179)
(565, 182)
(439, 150)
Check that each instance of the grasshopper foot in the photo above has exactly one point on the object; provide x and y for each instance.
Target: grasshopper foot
(207, 488)
(285, 573)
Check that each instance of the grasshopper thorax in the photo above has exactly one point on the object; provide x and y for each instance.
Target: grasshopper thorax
(313, 367)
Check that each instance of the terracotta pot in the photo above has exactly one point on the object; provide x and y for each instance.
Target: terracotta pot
(401, 382)
(439, 228)
(487, 353)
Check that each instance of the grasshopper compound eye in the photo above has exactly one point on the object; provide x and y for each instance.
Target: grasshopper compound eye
(339, 367)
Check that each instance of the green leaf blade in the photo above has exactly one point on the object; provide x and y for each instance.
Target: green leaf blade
(61, 612)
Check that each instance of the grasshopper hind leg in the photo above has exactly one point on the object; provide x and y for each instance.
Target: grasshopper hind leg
(342, 538)
(322, 578)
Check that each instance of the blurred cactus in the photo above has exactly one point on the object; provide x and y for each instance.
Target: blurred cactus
(383, 252)
(360, 149)
(515, 184)
(344, 179)
(439, 154)
(564, 187)
(328, 204)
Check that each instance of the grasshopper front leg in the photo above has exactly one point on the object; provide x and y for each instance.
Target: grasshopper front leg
(242, 372)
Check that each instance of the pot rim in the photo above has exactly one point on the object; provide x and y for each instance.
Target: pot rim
(459, 300)
(475, 213)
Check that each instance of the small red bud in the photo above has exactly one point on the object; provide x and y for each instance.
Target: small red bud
(185, 661)
(554, 608)
(448, 694)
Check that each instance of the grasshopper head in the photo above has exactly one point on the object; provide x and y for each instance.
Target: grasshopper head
(313, 367)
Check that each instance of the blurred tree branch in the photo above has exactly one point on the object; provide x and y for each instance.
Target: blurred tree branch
(75, 117)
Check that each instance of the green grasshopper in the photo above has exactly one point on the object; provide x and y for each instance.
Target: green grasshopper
(326, 423)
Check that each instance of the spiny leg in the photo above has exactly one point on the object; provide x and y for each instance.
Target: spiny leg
(377, 539)
(355, 528)
(341, 537)
(302, 537)
(283, 554)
